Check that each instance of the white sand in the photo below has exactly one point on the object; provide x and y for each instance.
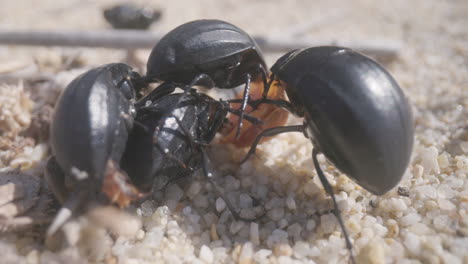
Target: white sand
(428, 226)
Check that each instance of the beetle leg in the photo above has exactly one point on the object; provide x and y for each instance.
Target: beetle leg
(269, 133)
(169, 155)
(247, 117)
(70, 206)
(263, 72)
(245, 99)
(278, 102)
(187, 172)
(190, 137)
(336, 211)
(160, 91)
(220, 190)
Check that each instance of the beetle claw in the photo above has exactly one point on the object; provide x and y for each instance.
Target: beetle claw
(69, 207)
(60, 219)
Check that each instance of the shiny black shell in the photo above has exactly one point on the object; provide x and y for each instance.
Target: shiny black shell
(144, 159)
(128, 16)
(355, 113)
(214, 47)
(92, 120)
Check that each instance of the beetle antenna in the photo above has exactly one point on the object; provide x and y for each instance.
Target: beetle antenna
(66, 211)
(336, 211)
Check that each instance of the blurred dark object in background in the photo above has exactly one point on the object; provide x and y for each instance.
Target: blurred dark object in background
(128, 16)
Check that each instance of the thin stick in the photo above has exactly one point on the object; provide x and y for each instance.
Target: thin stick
(135, 39)
(324, 20)
(117, 39)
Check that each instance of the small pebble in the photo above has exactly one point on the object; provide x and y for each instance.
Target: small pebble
(214, 232)
(254, 234)
(194, 189)
(403, 191)
(231, 183)
(201, 201)
(464, 146)
(397, 205)
(187, 210)
(446, 205)
(412, 243)
(301, 249)
(291, 203)
(286, 260)
(147, 208)
(310, 225)
(443, 223)
(262, 255)
(220, 205)
(328, 223)
(418, 171)
(245, 201)
(462, 163)
(206, 255)
(174, 192)
(429, 160)
(276, 213)
(420, 229)
(282, 223)
(443, 160)
(249, 213)
(310, 188)
(154, 237)
(236, 252)
(278, 236)
(140, 234)
(246, 254)
(282, 250)
(294, 231)
(410, 219)
(236, 226)
(210, 218)
(372, 253)
(260, 191)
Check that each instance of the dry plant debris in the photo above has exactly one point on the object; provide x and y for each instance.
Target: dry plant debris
(24, 201)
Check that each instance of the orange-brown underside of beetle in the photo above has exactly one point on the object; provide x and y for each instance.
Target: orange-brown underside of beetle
(271, 115)
(117, 186)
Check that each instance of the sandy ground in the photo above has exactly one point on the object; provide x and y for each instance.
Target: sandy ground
(424, 222)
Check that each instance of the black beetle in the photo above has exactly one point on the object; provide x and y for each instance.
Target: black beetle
(212, 53)
(88, 135)
(161, 148)
(128, 16)
(354, 113)
(171, 139)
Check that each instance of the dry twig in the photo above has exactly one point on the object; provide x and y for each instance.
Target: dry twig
(133, 39)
